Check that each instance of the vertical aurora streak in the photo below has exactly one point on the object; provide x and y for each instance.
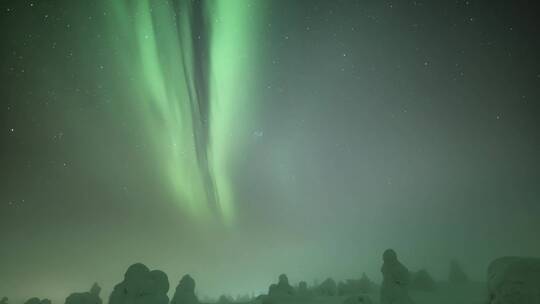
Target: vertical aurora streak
(187, 62)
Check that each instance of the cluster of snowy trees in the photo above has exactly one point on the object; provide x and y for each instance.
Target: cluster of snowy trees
(509, 279)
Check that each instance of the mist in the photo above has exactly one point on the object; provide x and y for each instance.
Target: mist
(236, 142)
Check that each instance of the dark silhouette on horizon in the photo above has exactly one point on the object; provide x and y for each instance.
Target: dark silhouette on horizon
(396, 279)
(185, 291)
(510, 280)
(91, 297)
(141, 286)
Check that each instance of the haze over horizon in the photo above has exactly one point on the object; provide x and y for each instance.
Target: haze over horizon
(239, 140)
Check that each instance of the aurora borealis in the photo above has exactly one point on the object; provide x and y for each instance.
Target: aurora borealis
(236, 140)
(188, 63)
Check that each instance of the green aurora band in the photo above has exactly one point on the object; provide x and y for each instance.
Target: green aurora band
(189, 63)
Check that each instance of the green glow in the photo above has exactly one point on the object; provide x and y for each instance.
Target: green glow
(229, 62)
(192, 131)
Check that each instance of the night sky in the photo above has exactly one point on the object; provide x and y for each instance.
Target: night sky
(239, 139)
